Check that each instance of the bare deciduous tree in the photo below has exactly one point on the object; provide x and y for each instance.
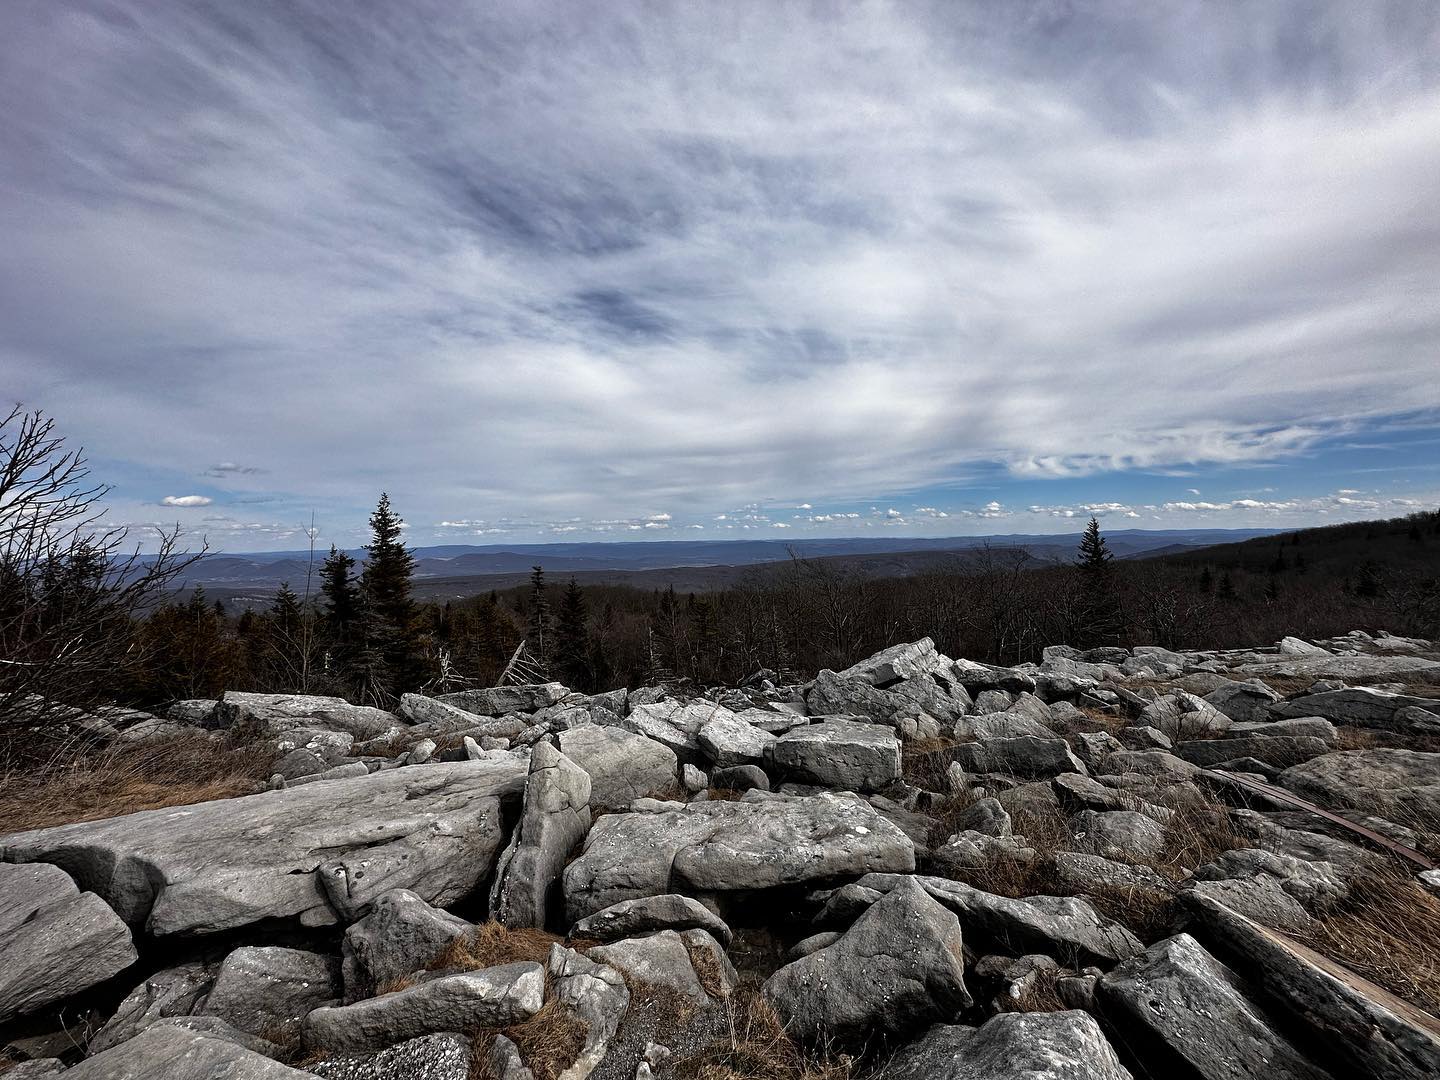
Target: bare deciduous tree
(71, 587)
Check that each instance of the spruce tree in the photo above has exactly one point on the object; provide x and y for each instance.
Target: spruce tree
(1100, 613)
(572, 659)
(337, 586)
(1094, 555)
(385, 582)
(285, 612)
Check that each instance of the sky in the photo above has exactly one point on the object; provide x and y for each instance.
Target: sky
(694, 270)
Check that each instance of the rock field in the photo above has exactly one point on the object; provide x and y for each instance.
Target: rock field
(1090, 868)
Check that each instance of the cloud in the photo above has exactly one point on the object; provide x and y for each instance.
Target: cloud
(672, 266)
(186, 500)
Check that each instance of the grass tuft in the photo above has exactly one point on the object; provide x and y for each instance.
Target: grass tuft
(126, 778)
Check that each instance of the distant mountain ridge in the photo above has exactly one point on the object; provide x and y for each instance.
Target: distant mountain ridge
(496, 565)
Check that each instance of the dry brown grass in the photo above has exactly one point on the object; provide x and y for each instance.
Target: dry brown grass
(925, 762)
(1041, 994)
(124, 779)
(757, 1048)
(490, 944)
(549, 1042)
(1388, 930)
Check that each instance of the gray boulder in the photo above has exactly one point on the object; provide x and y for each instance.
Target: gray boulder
(622, 765)
(1011, 1046)
(1026, 756)
(1193, 1007)
(730, 742)
(170, 992)
(55, 941)
(268, 990)
(174, 1052)
(317, 854)
(1117, 834)
(493, 997)
(555, 817)
(898, 968)
(401, 935)
(1243, 701)
(595, 993)
(499, 700)
(1330, 1003)
(839, 754)
(898, 662)
(269, 714)
(1182, 715)
(664, 959)
(1396, 784)
(676, 724)
(1061, 926)
(1277, 751)
(759, 842)
(741, 778)
(1358, 706)
(632, 918)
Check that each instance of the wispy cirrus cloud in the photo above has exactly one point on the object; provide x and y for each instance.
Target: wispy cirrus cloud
(562, 272)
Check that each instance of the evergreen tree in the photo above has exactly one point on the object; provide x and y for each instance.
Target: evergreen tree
(385, 583)
(1100, 616)
(337, 586)
(572, 659)
(1095, 556)
(364, 665)
(540, 623)
(285, 612)
(1207, 581)
(1226, 590)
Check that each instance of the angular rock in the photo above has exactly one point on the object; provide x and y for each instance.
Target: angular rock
(759, 842)
(1117, 834)
(268, 714)
(1277, 751)
(1352, 669)
(632, 918)
(55, 941)
(664, 959)
(1243, 701)
(493, 997)
(317, 854)
(499, 700)
(1152, 763)
(1026, 756)
(985, 816)
(730, 742)
(1011, 1046)
(430, 1057)
(265, 989)
(676, 724)
(898, 968)
(1192, 1006)
(898, 662)
(401, 935)
(1358, 706)
(623, 766)
(1062, 926)
(839, 754)
(171, 1052)
(556, 815)
(1184, 716)
(1397, 784)
(170, 992)
(1091, 872)
(1365, 1029)
(740, 778)
(1311, 727)
(597, 994)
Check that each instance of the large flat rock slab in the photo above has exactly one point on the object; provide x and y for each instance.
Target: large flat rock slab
(174, 1053)
(1403, 785)
(316, 854)
(54, 940)
(756, 843)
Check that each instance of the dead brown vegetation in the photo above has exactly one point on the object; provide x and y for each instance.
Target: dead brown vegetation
(123, 779)
(491, 944)
(1387, 929)
(925, 762)
(549, 1042)
(757, 1048)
